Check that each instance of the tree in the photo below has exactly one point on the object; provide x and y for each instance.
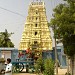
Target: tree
(5, 41)
(39, 65)
(64, 20)
(49, 67)
(56, 58)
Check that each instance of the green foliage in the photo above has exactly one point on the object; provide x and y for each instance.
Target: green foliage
(46, 66)
(5, 41)
(63, 25)
(2, 60)
(49, 67)
(69, 45)
(39, 66)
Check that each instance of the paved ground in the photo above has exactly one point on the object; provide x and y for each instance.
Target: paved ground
(23, 74)
(60, 72)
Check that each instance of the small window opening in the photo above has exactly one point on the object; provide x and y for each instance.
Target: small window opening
(35, 25)
(36, 18)
(35, 33)
(36, 12)
(35, 42)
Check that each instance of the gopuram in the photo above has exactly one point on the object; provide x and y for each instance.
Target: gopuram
(36, 34)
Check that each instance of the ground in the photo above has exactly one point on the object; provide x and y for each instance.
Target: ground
(60, 72)
(23, 74)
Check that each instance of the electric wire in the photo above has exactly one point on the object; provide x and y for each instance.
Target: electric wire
(12, 12)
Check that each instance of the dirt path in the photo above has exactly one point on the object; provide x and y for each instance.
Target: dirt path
(23, 74)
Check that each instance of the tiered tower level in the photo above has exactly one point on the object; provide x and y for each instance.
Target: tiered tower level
(36, 31)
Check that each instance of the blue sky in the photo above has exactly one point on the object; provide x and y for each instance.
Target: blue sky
(13, 15)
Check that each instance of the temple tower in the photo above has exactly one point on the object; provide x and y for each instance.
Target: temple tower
(36, 33)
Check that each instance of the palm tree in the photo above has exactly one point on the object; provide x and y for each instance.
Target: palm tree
(5, 41)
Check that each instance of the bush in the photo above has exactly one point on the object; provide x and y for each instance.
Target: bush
(2, 60)
(46, 67)
(49, 67)
(39, 65)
